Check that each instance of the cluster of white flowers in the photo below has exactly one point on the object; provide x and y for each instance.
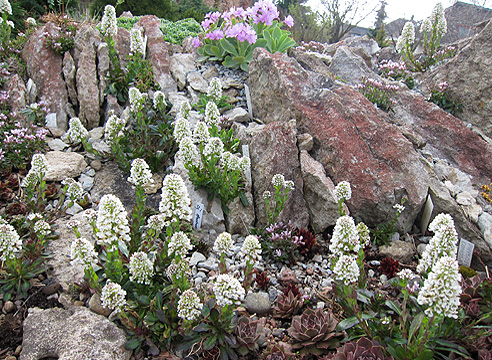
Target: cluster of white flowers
(82, 252)
(443, 243)
(42, 228)
(159, 98)
(113, 296)
(267, 194)
(230, 161)
(31, 21)
(114, 128)
(201, 133)
(135, 97)
(345, 239)
(182, 129)
(74, 188)
(156, 222)
(407, 37)
(406, 274)
(72, 224)
(34, 216)
(436, 19)
(278, 180)
(228, 290)
(179, 245)
(140, 174)
(441, 290)
(343, 191)
(10, 242)
(364, 237)
(175, 200)
(188, 151)
(399, 208)
(141, 268)
(346, 269)
(108, 21)
(214, 146)
(223, 243)
(5, 7)
(251, 247)
(90, 215)
(137, 41)
(212, 114)
(184, 110)
(177, 269)
(214, 91)
(76, 131)
(289, 185)
(189, 306)
(39, 167)
(112, 221)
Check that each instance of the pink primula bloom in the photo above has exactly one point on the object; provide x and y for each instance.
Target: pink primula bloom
(196, 42)
(289, 21)
(215, 35)
(242, 32)
(264, 11)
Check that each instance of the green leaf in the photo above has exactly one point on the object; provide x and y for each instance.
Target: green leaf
(228, 62)
(210, 342)
(228, 47)
(238, 59)
(244, 67)
(347, 323)
(225, 209)
(244, 200)
(203, 58)
(415, 325)
(393, 306)
(427, 354)
(270, 43)
(145, 300)
(132, 344)
(216, 51)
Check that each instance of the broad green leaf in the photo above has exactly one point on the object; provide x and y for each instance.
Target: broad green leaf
(393, 306)
(277, 33)
(426, 355)
(238, 59)
(415, 325)
(229, 47)
(132, 344)
(216, 51)
(210, 342)
(244, 67)
(347, 323)
(228, 62)
(243, 198)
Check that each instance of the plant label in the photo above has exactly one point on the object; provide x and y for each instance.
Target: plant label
(51, 120)
(197, 220)
(248, 100)
(426, 215)
(465, 252)
(248, 172)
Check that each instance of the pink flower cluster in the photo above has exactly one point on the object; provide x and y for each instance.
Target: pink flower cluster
(390, 68)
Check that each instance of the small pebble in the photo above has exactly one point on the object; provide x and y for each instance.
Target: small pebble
(96, 165)
(18, 350)
(9, 307)
(309, 270)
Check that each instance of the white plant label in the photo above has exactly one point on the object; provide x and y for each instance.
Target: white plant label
(248, 172)
(465, 252)
(197, 220)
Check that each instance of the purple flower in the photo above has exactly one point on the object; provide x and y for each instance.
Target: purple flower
(215, 35)
(206, 23)
(239, 13)
(196, 42)
(242, 32)
(289, 21)
(264, 11)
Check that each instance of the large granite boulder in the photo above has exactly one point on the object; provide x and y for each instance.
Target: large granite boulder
(353, 140)
(73, 334)
(86, 42)
(44, 67)
(274, 151)
(469, 75)
(157, 52)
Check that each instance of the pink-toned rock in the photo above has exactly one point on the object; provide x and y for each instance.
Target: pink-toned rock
(157, 52)
(86, 42)
(122, 45)
(353, 140)
(274, 151)
(17, 97)
(44, 67)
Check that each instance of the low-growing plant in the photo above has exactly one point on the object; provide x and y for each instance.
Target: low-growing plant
(382, 233)
(62, 40)
(486, 191)
(440, 96)
(282, 189)
(396, 71)
(378, 92)
(280, 243)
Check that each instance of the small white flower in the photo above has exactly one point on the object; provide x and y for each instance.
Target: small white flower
(267, 194)
(345, 239)
(184, 110)
(112, 221)
(175, 202)
(406, 274)
(245, 164)
(10, 242)
(179, 245)
(251, 247)
(214, 91)
(34, 216)
(39, 168)
(278, 180)
(75, 190)
(159, 98)
(5, 7)
(72, 224)
(177, 269)
(135, 97)
(182, 129)
(108, 21)
(399, 208)
(346, 269)
(141, 268)
(364, 237)
(82, 252)
(42, 228)
(443, 243)
(113, 296)
(440, 221)
(31, 21)
(189, 306)
(407, 37)
(223, 243)
(113, 128)
(214, 146)
(140, 174)
(441, 290)
(90, 215)
(188, 151)
(228, 290)
(343, 191)
(156, 222)
(136, 41)
(289, 185)
(212, 114)
(201, 133)
(76, 131)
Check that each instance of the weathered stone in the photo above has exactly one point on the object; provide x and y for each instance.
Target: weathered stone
(399, 250)
(32, 91)
(57, 145)
(241, 218)
(350, 66)
(157, 52)
(196, 258)
(305, 142)
(353, 140)
(44, 67)
(69, 75)
(86, 42)
(95, 306)
(90, 336)
(122, 45)
(197, 82)
(257, 303)
(17, 97)
(102, 68)
(468, 75)
(62, 270)
(318, 193)
(176, 99)
(313, 61)
(485, 225)
(274, 151)
(238, 114)
(63, 165)
(180, 65)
